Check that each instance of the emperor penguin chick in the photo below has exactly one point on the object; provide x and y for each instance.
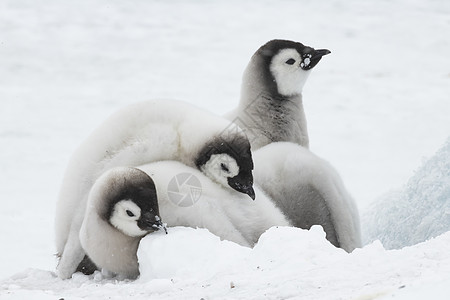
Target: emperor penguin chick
(187, 197)
(271, 107)
(122, 208)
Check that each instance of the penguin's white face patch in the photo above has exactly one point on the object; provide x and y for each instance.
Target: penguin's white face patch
(286, 68)
(220, 167)
(125, 216)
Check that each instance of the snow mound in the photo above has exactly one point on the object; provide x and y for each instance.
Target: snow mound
(418, 212)
(196, 253)
(186, 253)
(286, 263)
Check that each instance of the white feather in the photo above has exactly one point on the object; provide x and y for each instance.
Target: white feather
(226, 213)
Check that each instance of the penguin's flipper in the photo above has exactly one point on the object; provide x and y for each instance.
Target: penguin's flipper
(305, 206)
(310, 209)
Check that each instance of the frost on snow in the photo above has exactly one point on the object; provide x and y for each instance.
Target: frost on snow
(418, 212)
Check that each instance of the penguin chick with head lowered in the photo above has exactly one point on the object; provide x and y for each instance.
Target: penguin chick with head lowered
(308, 191)
(122, 208)
(188, 198)
(142, 133)
(271, 108)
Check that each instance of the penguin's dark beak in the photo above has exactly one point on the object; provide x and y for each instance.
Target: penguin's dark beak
(314, 57)
(243, 182)
(151, 222)
(321, 52)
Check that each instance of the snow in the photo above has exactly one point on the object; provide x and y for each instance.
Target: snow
(377, 107)
(421, 208)
(192, 264)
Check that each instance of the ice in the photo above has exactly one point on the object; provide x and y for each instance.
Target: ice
(419, 211)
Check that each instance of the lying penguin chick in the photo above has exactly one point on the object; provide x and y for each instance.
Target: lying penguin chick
(308, 191)
(187, 197)
(122, 208)
(146, 132)
(271, 108)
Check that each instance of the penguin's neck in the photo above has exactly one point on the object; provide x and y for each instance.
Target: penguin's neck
(109, 248)
(270, 118)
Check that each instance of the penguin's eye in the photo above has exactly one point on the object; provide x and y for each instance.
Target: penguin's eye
(290, 61)
(129, 213)
(224, 167)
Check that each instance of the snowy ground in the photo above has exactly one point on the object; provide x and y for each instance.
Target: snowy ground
(194, 264)
(376, 107)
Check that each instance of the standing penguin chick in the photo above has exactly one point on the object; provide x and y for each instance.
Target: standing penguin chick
(309, 192)
(271, 108)
(187, 197)
(146, 132)
(121, 209)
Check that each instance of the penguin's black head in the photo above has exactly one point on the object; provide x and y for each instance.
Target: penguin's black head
(228, 161)
(286, 65)
(133, 205)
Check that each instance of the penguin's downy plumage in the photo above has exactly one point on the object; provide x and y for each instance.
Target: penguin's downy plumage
(271, 108)
(122, 207)
(146, 132)
(187, 197)
(303, 186)
(308, 191)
